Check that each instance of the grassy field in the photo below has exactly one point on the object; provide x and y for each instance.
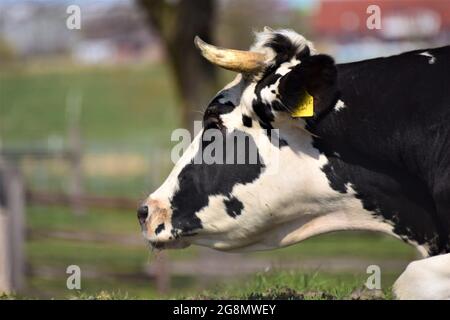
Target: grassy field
(124, 107)
(120, 269)
(132, 110)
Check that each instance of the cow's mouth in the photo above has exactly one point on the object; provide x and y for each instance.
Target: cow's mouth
(174, 244)
(170, 242)
(162, 235)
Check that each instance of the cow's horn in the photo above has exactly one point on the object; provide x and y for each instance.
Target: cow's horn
(234, 60)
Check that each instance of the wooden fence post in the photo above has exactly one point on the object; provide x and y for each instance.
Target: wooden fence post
(12, 228)
(76, 191)
(5, 266)
(162, 272)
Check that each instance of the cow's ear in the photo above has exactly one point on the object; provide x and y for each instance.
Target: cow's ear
(313, 81)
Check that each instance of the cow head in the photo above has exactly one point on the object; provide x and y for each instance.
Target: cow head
(251, 204)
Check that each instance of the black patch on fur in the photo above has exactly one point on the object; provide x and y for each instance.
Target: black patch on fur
(247, 121)
(283, 47)
(211, 117)
(315, 74)
(394, 143)
(389, 193)
(234, 206)
(220, 107)
(261, 109)
(285, 50)
(335, 181)
(199, 181)
(318, 76)
(305, 53)
(159, 228)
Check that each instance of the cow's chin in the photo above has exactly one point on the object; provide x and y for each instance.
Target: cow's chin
(174, 244)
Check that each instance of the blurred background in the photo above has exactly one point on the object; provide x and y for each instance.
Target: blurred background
(86, 117)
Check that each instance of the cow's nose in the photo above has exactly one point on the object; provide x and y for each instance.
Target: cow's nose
(142, 214)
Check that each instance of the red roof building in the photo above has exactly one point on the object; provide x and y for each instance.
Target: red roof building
(400, 19)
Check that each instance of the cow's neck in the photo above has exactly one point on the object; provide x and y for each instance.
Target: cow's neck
(312, 225)
(347, 201)
(385, 189)
(343, 220)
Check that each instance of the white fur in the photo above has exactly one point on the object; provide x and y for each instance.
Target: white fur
(426, 279)
(431, 60)
(265, 36)
(285, 67)
(339, 105)
(267, 95)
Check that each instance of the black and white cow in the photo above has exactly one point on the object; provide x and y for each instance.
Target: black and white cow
(374, 156)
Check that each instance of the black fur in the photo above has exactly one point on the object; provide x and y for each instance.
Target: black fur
(391, 142)
(318, 76)
(247, 121)
(234, 206)
(283, 48)
(199, 181)
(160, 228)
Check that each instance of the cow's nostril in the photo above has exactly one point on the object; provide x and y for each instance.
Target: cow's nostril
(142, 214)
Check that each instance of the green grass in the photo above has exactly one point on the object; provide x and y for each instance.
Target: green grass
(124, 110)
(272, 286)
(122, 266)
(124, 105)
(95, 220)
(281, 285)
(295, 285)
(103, 257)
(134, 186)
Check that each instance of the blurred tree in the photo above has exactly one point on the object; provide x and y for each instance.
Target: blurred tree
(178, 21)
(7, 53)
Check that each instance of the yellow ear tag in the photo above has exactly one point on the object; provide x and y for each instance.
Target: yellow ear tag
(305, 107)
